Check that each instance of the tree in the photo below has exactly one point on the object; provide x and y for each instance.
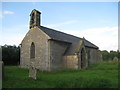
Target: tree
(105, 55)
(110, 55)
(11, 54)
(118, 54)
(113, 54)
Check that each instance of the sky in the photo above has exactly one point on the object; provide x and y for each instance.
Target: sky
(95, 21)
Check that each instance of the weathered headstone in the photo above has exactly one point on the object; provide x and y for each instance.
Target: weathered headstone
(115, 59)
(32, 71)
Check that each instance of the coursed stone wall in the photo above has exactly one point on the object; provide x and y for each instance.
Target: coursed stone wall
(40, 39)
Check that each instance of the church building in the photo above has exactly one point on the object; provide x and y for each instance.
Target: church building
(49, 49)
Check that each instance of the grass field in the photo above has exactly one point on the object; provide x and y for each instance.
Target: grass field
(100, 75)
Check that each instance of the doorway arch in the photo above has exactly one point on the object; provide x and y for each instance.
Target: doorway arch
(83, 58)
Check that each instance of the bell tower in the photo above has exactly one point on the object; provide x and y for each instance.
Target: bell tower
(34, 18)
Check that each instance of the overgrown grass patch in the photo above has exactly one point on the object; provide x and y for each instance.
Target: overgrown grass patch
(100, 75)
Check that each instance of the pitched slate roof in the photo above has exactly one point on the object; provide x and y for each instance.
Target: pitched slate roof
(57, 35)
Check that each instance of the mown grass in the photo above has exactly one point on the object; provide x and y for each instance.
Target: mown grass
(100, 75)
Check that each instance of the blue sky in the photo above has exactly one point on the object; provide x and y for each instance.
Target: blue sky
(96, 21)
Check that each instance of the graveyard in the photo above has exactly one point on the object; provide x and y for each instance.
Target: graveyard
(59, 45)
(99, 75)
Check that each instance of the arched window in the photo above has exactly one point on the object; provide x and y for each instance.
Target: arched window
(32, 50)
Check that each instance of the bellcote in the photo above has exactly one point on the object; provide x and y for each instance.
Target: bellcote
(34, 18)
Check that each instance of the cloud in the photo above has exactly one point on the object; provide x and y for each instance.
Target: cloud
(106, 38)
(6, 12)
(11, 39)
(61, 24)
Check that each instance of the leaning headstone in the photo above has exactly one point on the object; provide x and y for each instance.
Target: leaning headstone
(32, 71)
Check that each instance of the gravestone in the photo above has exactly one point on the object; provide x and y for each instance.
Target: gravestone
(115, 59)
(32, 71)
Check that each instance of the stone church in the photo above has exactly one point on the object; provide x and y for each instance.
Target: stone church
(49, 49)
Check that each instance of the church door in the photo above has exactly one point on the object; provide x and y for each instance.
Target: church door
(83, 59)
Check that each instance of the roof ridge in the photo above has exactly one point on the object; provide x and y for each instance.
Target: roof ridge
(90, 42)
(61, 32)
(62, 36)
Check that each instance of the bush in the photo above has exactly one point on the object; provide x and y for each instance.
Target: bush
(106, 56)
